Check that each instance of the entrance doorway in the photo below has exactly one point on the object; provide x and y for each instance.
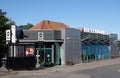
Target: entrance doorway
(49, 53)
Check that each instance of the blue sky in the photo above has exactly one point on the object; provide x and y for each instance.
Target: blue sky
(94, 14)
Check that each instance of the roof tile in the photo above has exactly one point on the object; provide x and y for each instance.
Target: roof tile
(46, 24)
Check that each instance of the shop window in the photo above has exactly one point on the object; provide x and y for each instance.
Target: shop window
(20, 51)
(25, 50)
(29, 51)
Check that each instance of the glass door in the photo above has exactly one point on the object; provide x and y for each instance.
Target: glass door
(49, 53)
(45, 53)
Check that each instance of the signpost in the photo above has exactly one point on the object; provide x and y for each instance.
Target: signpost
(11, 38)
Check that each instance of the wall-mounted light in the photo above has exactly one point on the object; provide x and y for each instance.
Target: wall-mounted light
(68, 38)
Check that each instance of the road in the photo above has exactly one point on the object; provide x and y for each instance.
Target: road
(112, 71)
(102, 69)
(102, 72)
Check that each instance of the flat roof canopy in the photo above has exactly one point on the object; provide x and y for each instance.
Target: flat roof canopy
(90, 38)
(40, 41)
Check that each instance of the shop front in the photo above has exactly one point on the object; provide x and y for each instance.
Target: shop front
(26, 55)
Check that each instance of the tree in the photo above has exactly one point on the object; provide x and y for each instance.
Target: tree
(28, 26)
(5, 24)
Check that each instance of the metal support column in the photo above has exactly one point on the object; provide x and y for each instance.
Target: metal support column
(52, 53)
(14, 50)
(11, 52)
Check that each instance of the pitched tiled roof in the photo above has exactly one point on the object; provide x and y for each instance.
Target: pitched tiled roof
(46, 24)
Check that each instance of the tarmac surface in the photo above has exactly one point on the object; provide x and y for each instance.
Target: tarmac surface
(111, 71)
(66, 71)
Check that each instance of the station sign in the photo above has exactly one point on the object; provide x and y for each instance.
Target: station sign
(93, 31)
(13, 29)
(90, 30)
(8, 35)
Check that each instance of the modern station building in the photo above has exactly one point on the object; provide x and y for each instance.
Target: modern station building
(55, 43)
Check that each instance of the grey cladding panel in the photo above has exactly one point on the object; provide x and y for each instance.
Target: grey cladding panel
(30, 35)
(52, 35)
(57, 35)
(48, 34)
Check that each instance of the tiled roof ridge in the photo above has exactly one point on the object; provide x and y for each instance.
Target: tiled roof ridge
(42, 24)
(47, 24)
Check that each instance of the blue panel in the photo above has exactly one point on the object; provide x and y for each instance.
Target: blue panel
(96, 51)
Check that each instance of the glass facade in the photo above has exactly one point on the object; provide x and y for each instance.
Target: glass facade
(45, 55)
(95, 52)
(57, 54)
(49, 53)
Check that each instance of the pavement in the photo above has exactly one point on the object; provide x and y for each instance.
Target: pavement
(62, 68)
